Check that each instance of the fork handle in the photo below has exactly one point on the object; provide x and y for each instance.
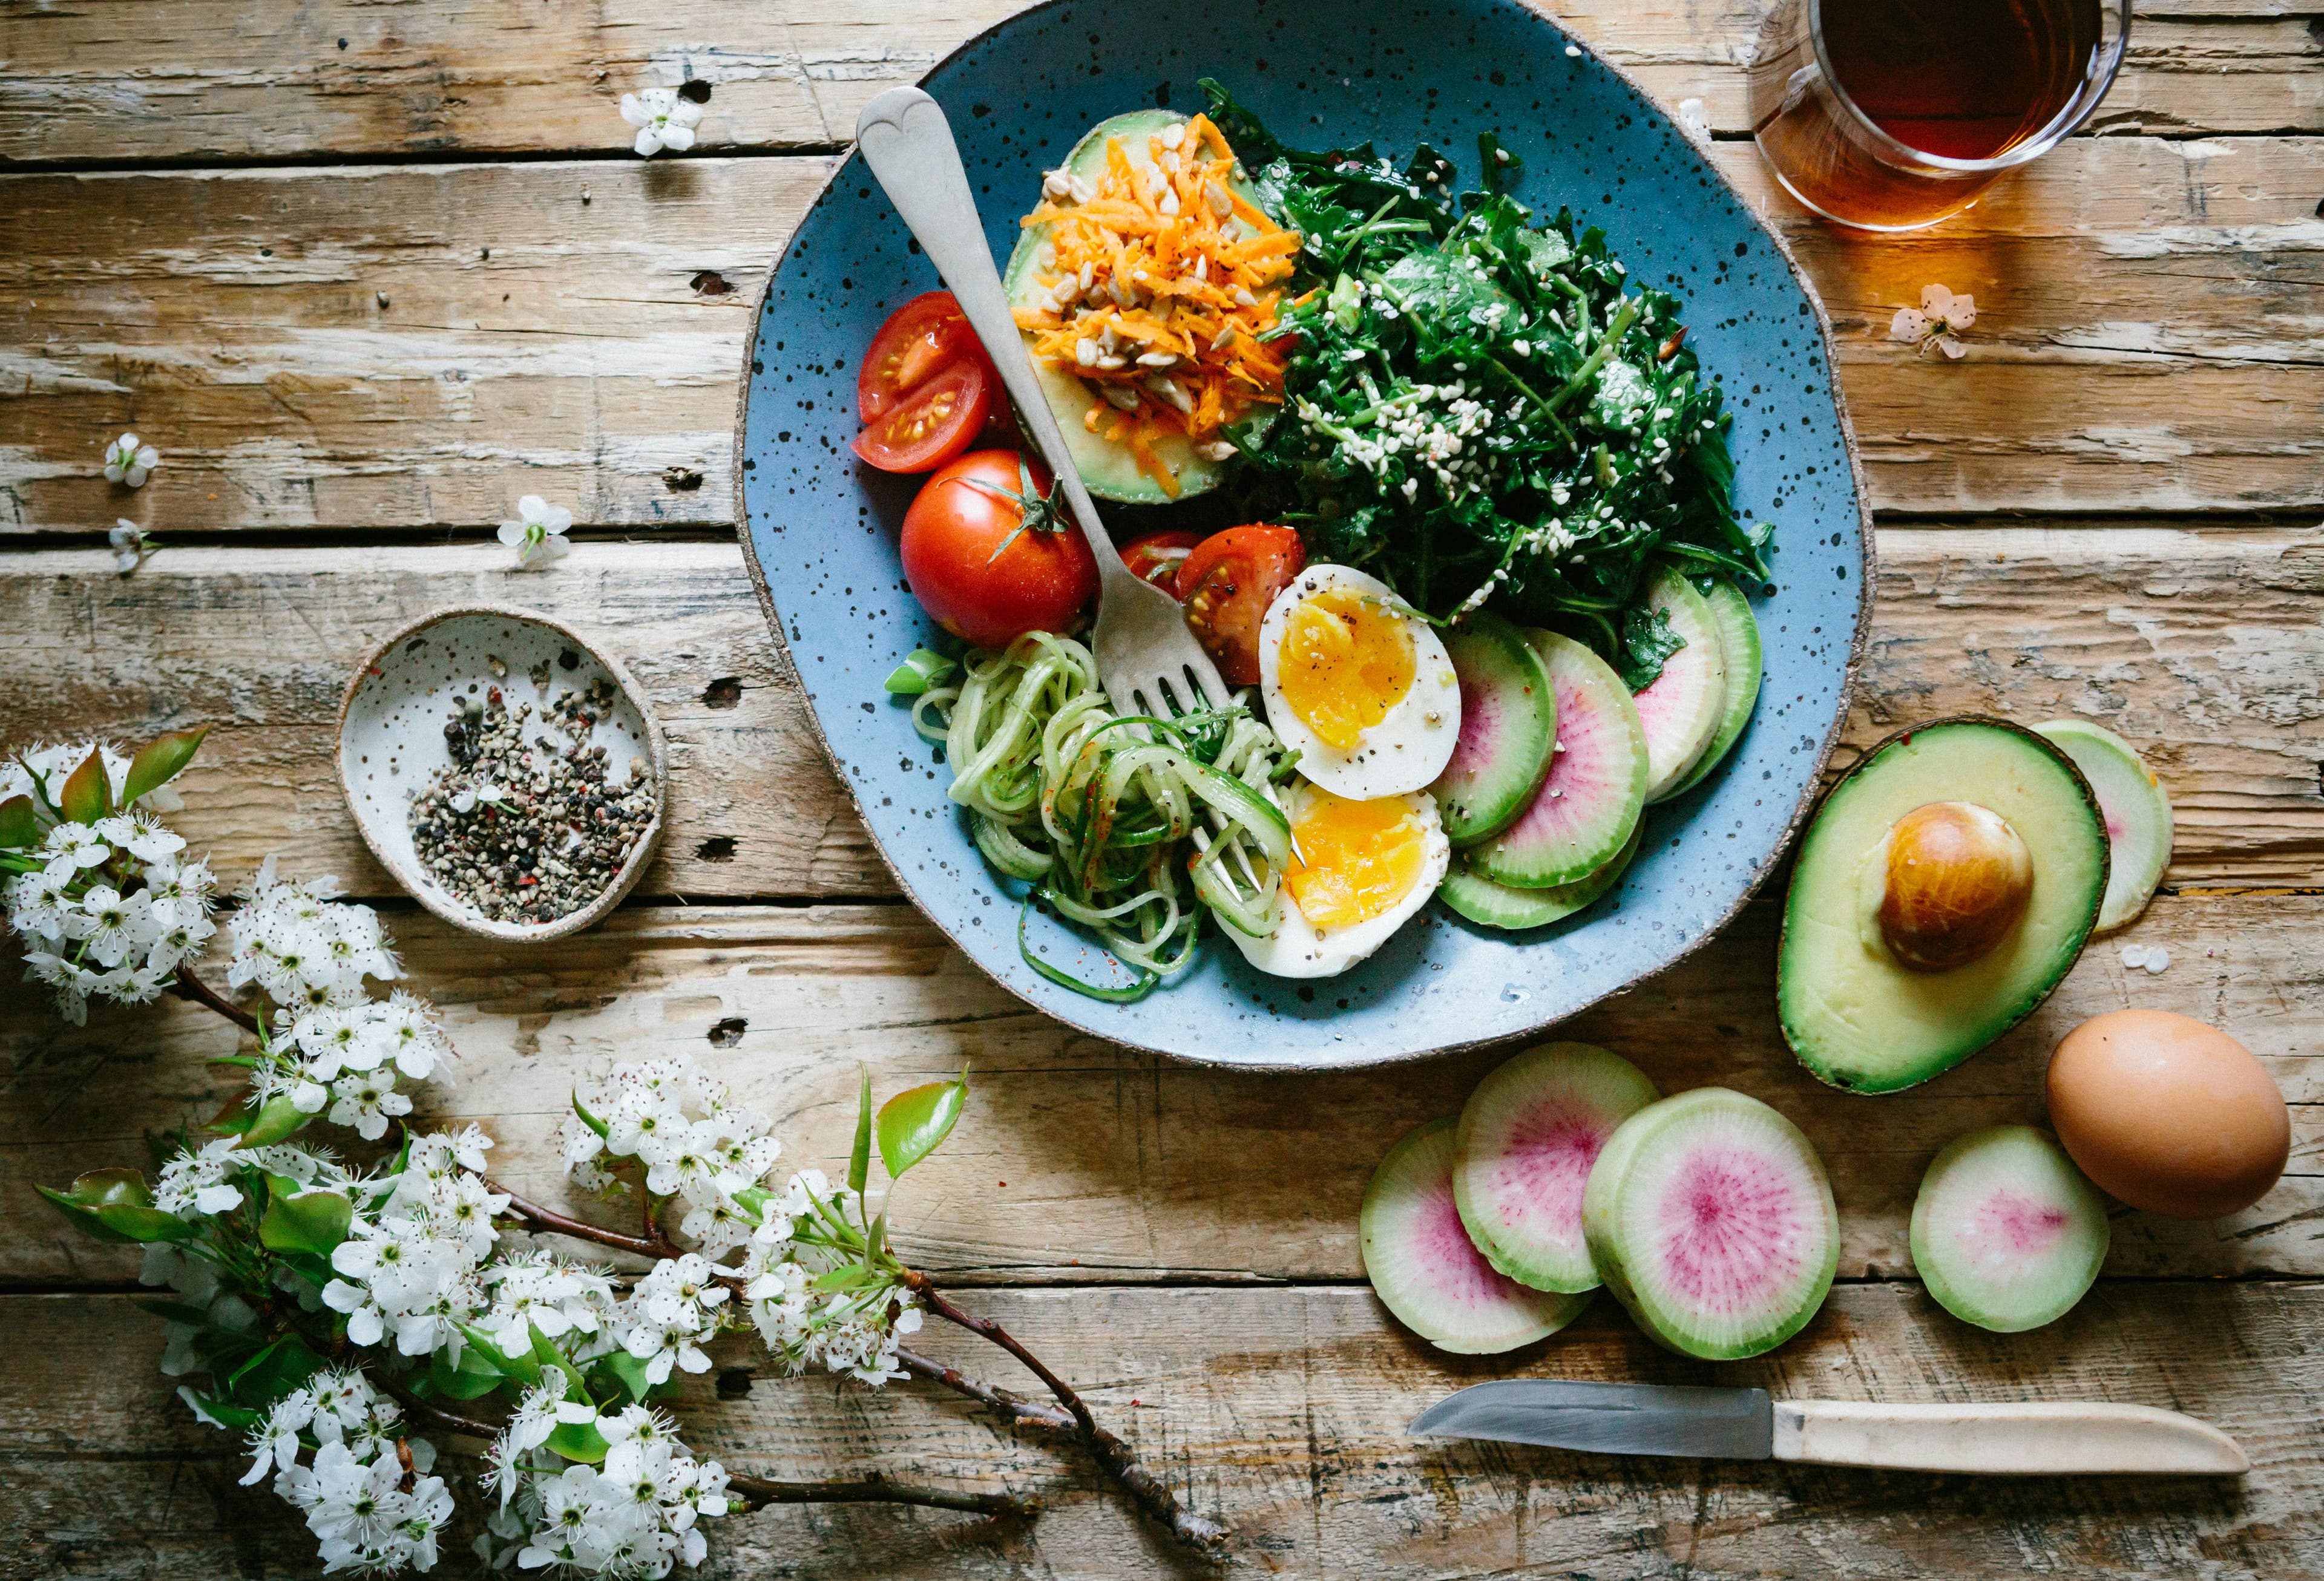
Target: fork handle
(905, 137)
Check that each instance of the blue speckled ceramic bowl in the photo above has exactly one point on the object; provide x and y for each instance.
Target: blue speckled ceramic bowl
(821, 529)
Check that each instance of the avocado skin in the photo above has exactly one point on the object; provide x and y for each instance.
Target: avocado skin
(1919, 1053)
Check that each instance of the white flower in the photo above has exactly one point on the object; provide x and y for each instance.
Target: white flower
(663, 119)
(539, 531)
(130, 545)
(196, 1182)
(1934, 323)
(127, 460)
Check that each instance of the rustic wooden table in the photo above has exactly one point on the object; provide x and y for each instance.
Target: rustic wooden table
(365, 274)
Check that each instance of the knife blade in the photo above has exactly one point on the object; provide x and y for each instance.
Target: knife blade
(2023, 1440)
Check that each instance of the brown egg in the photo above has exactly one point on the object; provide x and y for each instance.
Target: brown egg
(2167, 1114)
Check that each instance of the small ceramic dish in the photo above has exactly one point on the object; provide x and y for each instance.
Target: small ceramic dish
(392, 740)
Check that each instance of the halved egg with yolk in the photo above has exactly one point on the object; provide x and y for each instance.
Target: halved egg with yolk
(1358, 685)
(1359, 870)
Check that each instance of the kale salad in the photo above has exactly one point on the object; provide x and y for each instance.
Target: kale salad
(1477, 406)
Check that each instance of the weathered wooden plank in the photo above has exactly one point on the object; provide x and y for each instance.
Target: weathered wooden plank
(1283, 1411)
(2201, 645)
(116, 80)
(414, 348)
(1080, 1161)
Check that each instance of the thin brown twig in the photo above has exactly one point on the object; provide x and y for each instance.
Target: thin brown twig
(533, 1215)
(189, 987)
(1116, 1458)
(1008, 1401)
(874, 1488)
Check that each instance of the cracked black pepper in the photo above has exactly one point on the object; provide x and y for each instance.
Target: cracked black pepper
(529, 831)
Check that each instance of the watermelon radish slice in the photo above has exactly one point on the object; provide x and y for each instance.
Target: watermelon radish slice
(1523, 1151)
(1739, 644)
(2136, 812)
(1683, 709)
(1708, 1216)
(1589, 801)
(1499, 905)
(2006, 1233)
(1425, 1268)
(1509, 724)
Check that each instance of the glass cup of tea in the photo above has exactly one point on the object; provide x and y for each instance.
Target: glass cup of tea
(1890, 115)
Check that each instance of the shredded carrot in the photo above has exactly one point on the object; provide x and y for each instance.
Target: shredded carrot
(1167, 262)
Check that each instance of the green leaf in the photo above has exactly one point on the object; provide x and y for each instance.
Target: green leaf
(582, 1110)
(303, 1221)
(848, 1276)
(915, 1122)
(146, 1224)
(630, 1372)
(159, 761)
(578, 1440)
(525, 1369)
(546, 1352)
(81, 1219)
(19, 827)
(859, 1161)
(274, 1372)
(101, 1187)
(88, 795)
(473, 1378)
(237, 1419)
(917, 674)
(275, 1120)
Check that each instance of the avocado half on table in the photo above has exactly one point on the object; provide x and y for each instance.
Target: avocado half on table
(1109, 467)
(1946, 884)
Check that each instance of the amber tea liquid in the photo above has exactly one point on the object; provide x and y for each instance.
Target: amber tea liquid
(1946, 83)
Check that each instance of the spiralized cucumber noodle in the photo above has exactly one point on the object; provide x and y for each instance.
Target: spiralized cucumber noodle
(1131, 826)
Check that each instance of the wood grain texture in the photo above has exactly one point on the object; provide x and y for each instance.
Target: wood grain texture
(1081, 1161)
(107, 80)
(1283, 1411)
(2203, 646)
(413, 348)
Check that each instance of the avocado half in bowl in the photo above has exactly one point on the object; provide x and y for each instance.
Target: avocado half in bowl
(1108, 467)
(1946, 884)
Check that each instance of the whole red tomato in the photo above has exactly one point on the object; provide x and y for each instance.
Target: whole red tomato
(989, 558)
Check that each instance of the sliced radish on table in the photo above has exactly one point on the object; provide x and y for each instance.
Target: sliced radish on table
(1509, 724)
(2136, 810)
(1589, 801)
(1522, 1154)
(1429, 1274)
(1502, 906)
(1681, 711)
(2006, 1233)
(1708, 1216)
(1739, 644)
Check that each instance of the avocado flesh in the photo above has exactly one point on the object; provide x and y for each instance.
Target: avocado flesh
(1108, 470)
(1856, 1017)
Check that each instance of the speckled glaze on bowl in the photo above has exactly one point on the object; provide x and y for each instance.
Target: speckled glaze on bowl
(821, 529)
(392, 740)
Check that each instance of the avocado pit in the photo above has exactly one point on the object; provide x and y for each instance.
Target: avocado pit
(1958, 879)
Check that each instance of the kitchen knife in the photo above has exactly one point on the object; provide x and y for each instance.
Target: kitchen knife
(2036, 1440)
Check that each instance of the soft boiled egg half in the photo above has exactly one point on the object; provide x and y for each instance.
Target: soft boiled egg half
(1359, 870)
(1358, 685)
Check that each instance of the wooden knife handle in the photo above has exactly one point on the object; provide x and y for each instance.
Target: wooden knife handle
(2006, 1440)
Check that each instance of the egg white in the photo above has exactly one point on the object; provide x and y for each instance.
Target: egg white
(1297, 948)
(1406, 751)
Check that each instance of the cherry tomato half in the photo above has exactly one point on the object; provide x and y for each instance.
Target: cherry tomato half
(1226, 585)
(926, 334)
(1156, 556)
(938, 420)
(983, 580)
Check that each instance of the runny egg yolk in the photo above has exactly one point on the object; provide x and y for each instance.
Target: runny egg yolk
(1352, 862)
(1346, 660)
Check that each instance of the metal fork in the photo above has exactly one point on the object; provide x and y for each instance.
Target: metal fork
(1146, 659)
